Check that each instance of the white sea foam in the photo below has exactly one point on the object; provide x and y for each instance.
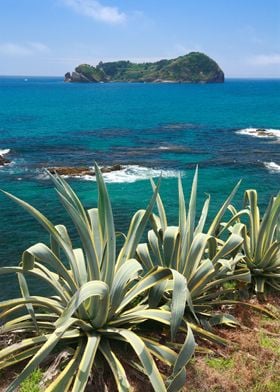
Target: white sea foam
(129, 173)
(272, 167)
(271, 133)
(133, 173)
(4, 151)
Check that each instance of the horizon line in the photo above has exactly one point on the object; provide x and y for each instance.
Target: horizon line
(62, 76)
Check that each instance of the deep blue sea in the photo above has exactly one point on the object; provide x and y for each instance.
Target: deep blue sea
(148, 128)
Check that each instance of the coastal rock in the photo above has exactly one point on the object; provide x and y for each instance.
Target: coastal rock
(3, 161)
(76, 77)
(81, 171)
(263, 132)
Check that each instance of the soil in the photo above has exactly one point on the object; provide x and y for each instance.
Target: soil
(249, 363)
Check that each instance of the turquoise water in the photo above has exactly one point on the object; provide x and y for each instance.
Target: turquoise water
(149, 128)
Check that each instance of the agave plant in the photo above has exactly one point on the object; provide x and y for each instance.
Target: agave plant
(100, 299)
(261, 247)
(204, 259)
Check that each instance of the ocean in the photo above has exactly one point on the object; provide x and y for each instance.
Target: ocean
(150, 129)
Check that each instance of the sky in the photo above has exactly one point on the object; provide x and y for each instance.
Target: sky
(51, 37)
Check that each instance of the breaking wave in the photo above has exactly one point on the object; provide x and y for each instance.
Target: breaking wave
(5, 151)
(129, 174)
(272, 167)
(260, 132)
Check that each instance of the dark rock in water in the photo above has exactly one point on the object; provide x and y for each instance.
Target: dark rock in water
(108, 169)
(264, 132)
(67, 77)
(70, 171)
(77, 77)
(82, 171)
(3, 161)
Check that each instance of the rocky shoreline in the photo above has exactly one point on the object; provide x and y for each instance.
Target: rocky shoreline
(82, 170)
(4, 161)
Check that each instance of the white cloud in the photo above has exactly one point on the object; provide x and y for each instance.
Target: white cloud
(38, 47)
(26, 49)
(266, 59)
(94, 9)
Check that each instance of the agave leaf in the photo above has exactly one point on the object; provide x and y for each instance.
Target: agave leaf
(11, 351)
(190, 224)
(90, 289)
(195, 254)
(18, 357)
(160, 208)
(162, 352)
(182, 207)
(143, 354)
(156, 293)
(44, 255)
(187, 231)
(204, 213)
(86, 238)
(86, 363)
(135, 231)
(49, 227)
(64, 189)
(203, 274)
(116, 366)
(160, 315)
(40, 355)
(252, 197)
(64, 380)
(96, 230)
(129, 271)
(216, 221)
(143, 255)
(229, 247)
(170, 246)
(185, 354)
(106, 220)
(48, 303)
(25, 294)
(148, 281)
(81, 265)
(156, 248)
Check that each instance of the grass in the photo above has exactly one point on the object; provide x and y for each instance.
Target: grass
(250, 363)
(220, 363)
(31, 384)
(269, 343)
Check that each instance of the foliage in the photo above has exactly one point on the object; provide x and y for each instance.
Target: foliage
(261, 247)
(31, 384)
(90, 72)
(193, 67)
(206, 261)
(100, 300)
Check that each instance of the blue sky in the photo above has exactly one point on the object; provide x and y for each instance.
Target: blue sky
(50, 37)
